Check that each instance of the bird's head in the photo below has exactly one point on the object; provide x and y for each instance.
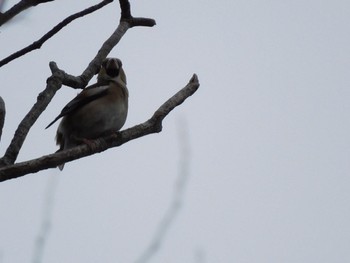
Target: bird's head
(112, 70)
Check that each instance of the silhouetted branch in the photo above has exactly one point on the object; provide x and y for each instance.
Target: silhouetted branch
(18, 8)
(153, 125)
(125, 9)
(37, 44)
(176, 201)
(2, 115)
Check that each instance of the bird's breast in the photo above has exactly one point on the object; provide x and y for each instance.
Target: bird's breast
(102, 115)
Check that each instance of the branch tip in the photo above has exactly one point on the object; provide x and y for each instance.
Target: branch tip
(53, 67)
(141, 21)
(194, 79)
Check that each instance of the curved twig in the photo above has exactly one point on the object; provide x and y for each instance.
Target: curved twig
(153, 125)
(18, 8)
(37, 44)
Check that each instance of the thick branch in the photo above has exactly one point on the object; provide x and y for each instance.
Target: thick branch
(2, 115)
(37, 44)
(153, 125)
(18, 8)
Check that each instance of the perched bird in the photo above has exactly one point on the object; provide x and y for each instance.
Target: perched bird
(99, 109)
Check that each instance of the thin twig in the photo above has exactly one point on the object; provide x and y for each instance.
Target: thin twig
(18, 8)
(37, 44)
(2, 115)
(177, 199)
(153, 125)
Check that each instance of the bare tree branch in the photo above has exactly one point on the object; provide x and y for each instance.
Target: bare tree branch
(37, 44)
(2, 115)
(18, 8)
(176, 202)
(153, 125)
(54, 83)
(125, 9)
(133, 21)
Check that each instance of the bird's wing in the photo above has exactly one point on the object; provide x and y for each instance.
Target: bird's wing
(86, 96)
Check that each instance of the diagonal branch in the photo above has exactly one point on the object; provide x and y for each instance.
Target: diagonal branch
(18, 8)
(37, 44)
(153, 125)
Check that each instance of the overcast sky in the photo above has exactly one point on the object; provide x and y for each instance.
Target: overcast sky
(268, 134)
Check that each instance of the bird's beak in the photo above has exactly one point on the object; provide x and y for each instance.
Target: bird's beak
(112, 67)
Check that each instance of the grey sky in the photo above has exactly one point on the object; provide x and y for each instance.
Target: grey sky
(268, 129)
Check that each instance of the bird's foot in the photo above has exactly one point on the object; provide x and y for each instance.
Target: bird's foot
(90, 143)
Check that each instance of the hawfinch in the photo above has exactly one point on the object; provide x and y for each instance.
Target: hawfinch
(99, 109)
